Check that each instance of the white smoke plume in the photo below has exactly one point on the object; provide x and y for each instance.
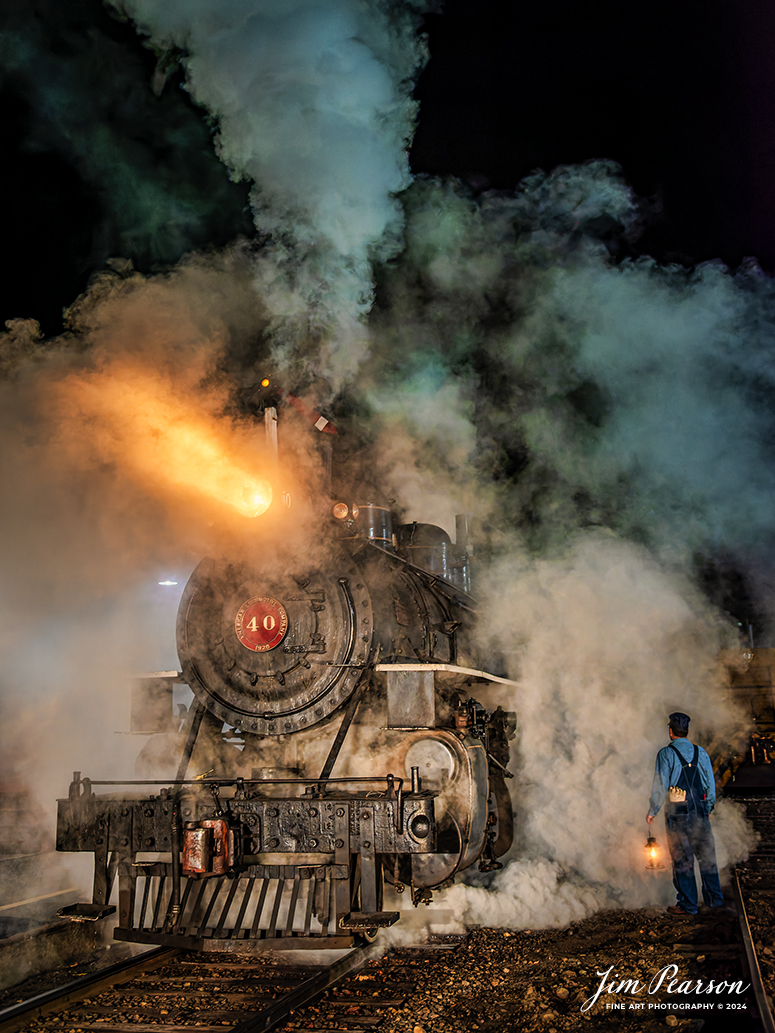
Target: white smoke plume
(605, 644)
(626, 395)
(312, 103)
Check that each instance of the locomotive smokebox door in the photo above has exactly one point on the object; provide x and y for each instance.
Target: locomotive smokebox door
(272, 653)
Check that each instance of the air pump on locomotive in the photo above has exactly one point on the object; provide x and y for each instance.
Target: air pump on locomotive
(333, 745)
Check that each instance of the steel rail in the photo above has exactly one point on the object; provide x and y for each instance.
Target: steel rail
(20, 1015)
(308, 992)
(272, 1017)
(757, 984)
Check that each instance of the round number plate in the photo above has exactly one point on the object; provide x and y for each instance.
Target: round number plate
(261, 623)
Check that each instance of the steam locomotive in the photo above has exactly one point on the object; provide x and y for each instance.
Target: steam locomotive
(333, 746)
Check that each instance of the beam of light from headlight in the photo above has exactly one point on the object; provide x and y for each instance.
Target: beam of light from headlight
(163, 441)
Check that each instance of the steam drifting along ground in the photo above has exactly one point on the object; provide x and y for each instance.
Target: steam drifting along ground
(608, 424)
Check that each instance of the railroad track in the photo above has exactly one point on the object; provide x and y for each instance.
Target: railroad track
(753, 885)
(168, 991)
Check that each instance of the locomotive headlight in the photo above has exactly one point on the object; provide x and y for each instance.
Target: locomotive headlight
(255, 498)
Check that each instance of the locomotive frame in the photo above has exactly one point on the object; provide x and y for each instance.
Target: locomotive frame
(288, 841)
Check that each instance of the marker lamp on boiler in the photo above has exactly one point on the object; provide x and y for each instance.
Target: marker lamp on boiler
(342, 511)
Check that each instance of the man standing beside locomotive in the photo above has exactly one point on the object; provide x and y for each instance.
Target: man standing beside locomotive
(684, 778)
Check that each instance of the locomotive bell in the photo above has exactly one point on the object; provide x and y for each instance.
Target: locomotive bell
(368, 520)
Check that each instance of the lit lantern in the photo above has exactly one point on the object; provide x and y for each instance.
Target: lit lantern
(653, 864)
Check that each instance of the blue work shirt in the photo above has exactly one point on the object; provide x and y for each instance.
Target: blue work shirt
(668, 771)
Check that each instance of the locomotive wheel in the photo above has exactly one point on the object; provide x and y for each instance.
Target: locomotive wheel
(367, 936)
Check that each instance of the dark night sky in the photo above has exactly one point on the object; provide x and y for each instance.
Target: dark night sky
(681, 95)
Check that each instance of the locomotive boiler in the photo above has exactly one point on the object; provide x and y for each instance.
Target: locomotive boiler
(334, 746)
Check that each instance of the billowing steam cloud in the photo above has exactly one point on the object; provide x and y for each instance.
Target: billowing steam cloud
(603, 421)
(627, 395)
(312, 102)
(600, 415)
(605, 644)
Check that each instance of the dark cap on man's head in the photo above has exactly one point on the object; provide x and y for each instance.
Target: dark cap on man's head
(679, 722)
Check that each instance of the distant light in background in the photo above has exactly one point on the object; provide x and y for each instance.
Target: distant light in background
(168, 582)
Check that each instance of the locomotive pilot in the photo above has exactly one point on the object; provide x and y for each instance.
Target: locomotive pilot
(684, 783)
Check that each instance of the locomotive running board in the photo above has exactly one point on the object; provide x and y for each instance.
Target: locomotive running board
(448, 668)
(85, 912)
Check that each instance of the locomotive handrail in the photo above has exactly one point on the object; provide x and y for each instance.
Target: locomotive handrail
(390, 779)
(430, 579)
